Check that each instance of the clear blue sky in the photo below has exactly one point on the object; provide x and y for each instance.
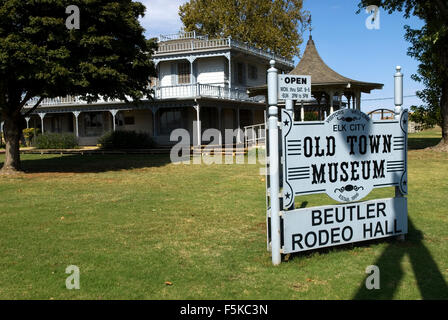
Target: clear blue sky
(342, 39)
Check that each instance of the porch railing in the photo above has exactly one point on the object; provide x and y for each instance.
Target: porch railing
(217, 90)
(194, 44)
(255, 136)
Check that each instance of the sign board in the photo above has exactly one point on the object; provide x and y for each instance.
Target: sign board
(346, 156)
(294, 87)
(318, 227)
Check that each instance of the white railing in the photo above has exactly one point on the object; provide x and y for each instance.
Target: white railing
(255, 135)
(182, 36)
(202, 43)
(193, 45)
(216, 90)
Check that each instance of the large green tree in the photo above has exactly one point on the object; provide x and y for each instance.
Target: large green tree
(430, 48)
(108, 57)
(275, 25)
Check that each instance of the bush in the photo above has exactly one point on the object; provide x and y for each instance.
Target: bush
(30, 134)
(125, 140)
(56, 141)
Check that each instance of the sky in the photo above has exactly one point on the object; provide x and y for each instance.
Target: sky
(342, 40)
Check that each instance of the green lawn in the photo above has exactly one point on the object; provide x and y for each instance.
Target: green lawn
(132, 223)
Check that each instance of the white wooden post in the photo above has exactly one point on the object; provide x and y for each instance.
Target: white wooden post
(42, 116)
(220, 125)
(198, 125)
(27, 119)
(331, 102)
(238, 137)
(274, 163)
(114, 113)
(302, 112)
(76, 114)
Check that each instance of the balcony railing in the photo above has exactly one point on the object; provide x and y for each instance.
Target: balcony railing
(197, 90)
(196, 43)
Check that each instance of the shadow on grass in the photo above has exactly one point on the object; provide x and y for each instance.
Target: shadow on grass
(416, 143)
(430, 281)
(91, 163)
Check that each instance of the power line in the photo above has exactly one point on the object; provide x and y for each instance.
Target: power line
(410, 96)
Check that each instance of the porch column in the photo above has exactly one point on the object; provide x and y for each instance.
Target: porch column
(42, 116)
(154, 121)
(220, 125)
(76, 114)
(27, 119)
(358, 100)
(302, 112)
(289, 106)
(331, 94)
(238, 138)
(198, 125)
(192, 80)
(114, 113)
(229, 56)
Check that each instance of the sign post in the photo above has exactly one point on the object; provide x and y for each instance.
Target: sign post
(274, 171)
(345, 156)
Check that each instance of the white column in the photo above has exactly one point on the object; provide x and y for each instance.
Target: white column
(154, 121)
(42, 116)
(302, 112)
(220, 125)
(289, 106)
(331, 102)
(274, 167)
(114, 113)
(198, 125)
(238, 138)
(76, 114)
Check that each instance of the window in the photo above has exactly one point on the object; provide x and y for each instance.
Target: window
(93, 124)
(170, 120)
(253, 72)
(240, 73)
(183, 73)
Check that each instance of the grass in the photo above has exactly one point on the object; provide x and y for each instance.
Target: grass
(132, 223)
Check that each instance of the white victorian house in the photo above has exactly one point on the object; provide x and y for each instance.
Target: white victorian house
(199, 79)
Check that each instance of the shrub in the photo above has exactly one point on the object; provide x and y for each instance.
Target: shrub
(30, 134)
(125, 140)
(56, 141)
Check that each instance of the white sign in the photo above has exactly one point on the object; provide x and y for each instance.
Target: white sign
(345, 156)
(318, 227)
(294, 87)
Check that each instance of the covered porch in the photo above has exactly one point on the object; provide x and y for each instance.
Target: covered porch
(158, 119)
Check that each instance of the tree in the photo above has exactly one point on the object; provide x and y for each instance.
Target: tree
(274, 25)
(430, 48)
(108, 57)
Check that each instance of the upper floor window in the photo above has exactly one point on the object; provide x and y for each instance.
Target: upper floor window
(240, 76)
(253, 72)
(183, 73)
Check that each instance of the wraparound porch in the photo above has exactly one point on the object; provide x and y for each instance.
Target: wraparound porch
(90, 123)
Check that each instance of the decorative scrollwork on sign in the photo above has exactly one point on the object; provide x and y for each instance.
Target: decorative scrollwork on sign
(349, 119)
(348, 188)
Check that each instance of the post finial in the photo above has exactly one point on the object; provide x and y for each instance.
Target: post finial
(272, 63)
